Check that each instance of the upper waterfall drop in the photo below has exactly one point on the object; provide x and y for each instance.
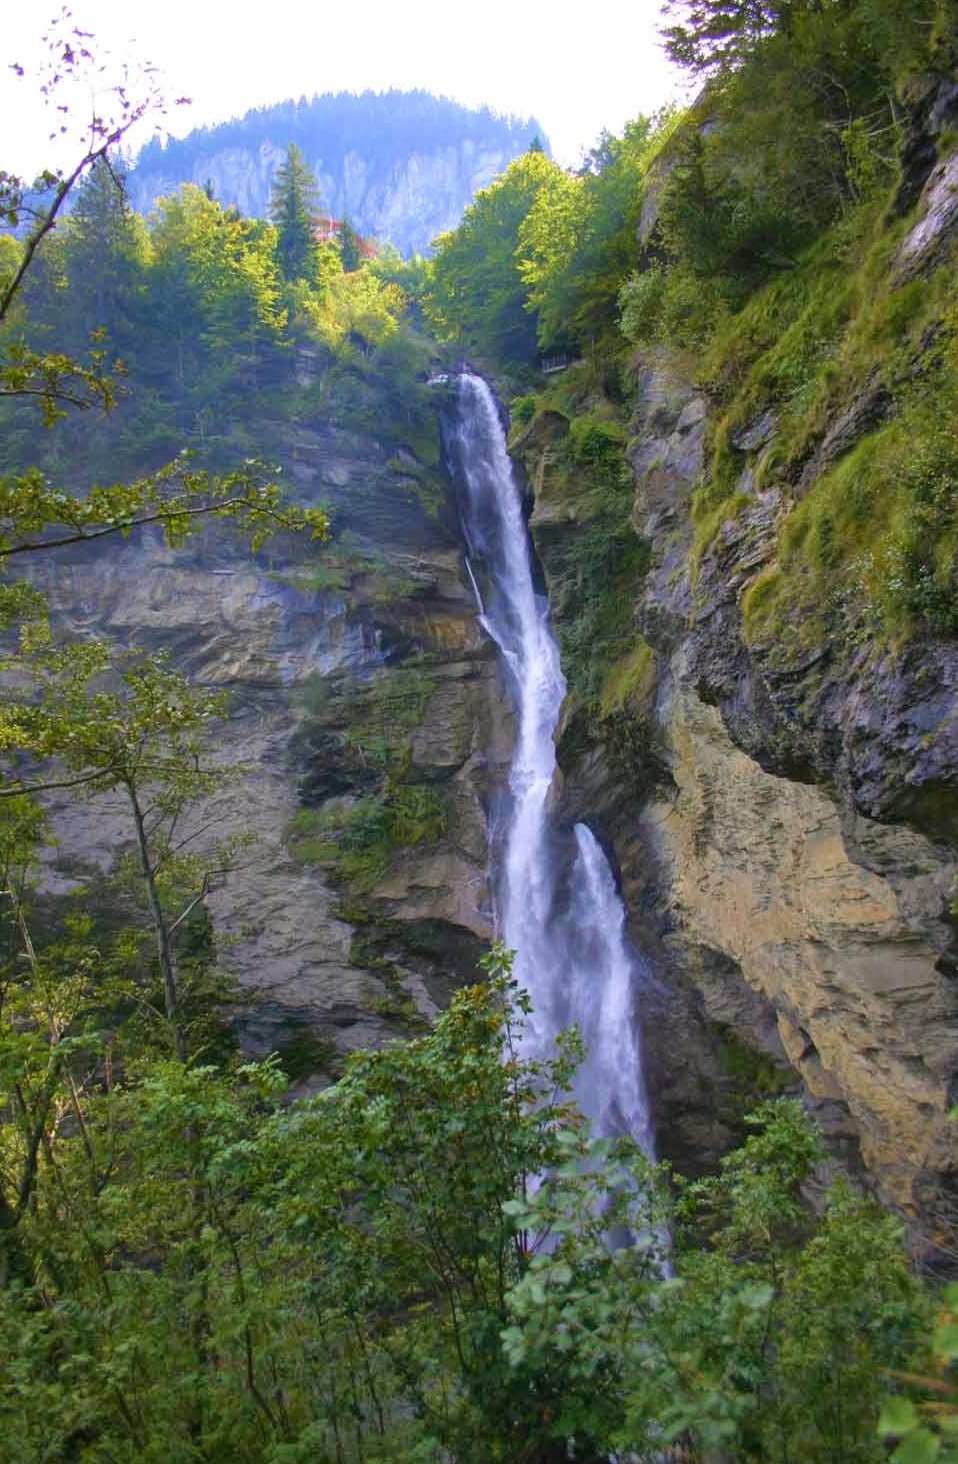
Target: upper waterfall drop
(558, 908)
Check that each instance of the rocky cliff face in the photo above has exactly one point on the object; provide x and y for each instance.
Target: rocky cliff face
(782, 820)
(406, 205)
(402, 168)
(786, 836)
(308, 644)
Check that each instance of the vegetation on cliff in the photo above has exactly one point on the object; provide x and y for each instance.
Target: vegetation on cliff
(369, 148)
(413, 1264)
(757, 241)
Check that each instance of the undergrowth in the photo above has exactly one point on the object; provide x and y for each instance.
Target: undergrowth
(870, 533)
(359, 839)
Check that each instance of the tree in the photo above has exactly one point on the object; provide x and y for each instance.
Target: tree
(145, 739)
(475, 288)
(294, 206)
(104, 250)
(578, 240)
(349, 247)
(764, 1333)
(65, 726)
(214, 296)
(713, 35)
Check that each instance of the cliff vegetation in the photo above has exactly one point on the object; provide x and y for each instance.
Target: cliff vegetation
(742, 479)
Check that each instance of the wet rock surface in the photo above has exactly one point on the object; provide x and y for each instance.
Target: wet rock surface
(787, 849)
(320, 971)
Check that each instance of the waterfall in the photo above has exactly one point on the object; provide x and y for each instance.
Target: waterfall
(558, 907)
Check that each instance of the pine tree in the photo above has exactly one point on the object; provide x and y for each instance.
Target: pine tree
(294, 204)
(105, 251)
(350, 251)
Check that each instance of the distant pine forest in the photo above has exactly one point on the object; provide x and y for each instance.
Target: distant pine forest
(360, 147)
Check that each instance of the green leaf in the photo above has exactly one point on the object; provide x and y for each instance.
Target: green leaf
(945, 1341)
(898, 1416)
(919, 1448)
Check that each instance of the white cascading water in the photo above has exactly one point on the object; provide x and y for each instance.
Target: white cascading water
(559, 909)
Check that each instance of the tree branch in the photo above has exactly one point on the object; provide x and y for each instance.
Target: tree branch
(83, 537)
(19, 790)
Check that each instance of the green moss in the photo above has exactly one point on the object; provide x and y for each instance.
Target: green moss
(398, 1007)
(366, 579)
(761, 600)
(359, 840)
(574, 446)
(876, 538)
(708, 522)
(378, 715)
(600, 574)
(872, 544)
(630, 682)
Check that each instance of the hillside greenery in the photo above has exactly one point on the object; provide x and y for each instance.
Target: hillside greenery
(750, 244)
(415, 1263)
(382, 127)
(203, 325)
(384, 130)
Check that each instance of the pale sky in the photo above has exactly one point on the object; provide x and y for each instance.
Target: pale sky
(576, 68)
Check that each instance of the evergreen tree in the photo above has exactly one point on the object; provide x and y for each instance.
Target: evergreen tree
(294, 206)
(349, 247)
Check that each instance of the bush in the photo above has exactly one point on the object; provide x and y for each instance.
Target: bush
(522, 409)
(359, 840)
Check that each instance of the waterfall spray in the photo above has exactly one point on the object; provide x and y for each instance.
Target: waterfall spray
(558, 909)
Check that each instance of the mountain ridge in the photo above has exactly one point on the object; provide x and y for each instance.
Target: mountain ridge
(402, 166)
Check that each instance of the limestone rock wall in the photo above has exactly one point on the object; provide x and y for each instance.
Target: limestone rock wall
(773, 874)
(407, 204)
(786, 845)
(317, 966)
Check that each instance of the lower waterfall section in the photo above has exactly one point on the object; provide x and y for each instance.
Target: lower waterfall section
(557, 904)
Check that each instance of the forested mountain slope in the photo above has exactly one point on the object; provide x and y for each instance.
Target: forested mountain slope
(401, 166)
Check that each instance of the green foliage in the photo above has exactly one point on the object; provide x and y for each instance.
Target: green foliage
(416, 1263)
(579, 239)
(602, 574)
(374, 722)
(766, 1339)
(882, 521)
(349, 247)
(263, 1281)
(360, 840)
(547, 244)
(676, 308)
(714, 34)
(294, 205)
(753, 1076)
(522, 409)
(598, 446)
(574, 442)
(797, 127)
(925, 1425)
(377, 716)
(475, 291)
(630, 682)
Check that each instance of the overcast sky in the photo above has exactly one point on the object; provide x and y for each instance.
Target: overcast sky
(577, 69)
